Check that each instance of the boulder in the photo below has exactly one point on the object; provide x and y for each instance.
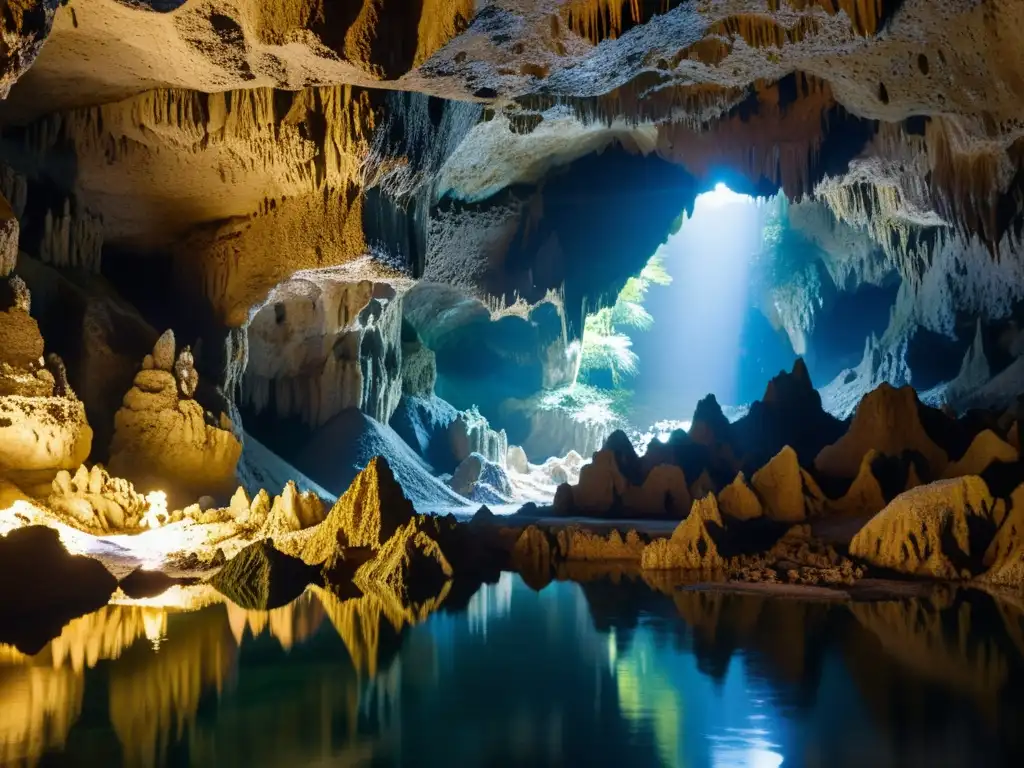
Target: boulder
(940, 530)
(40, 436)
(692, 545)
(481, 480)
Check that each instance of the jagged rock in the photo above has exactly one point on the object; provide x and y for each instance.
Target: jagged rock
(692, 545)
(932, 530)
(864, 496)
(663, 493)
(709, 427)
(163, 351)
(367, 515)
(47, 587)
(577, 544)
(790, 494)
(1004, 559)
(483, 516)
(797, 558)
(985, 449)
(96, 501)
(259, 577)
(887, 420)
(291, 511)
(601, 486)
(517, 461)
(410, 565)
(738, 500)
(790, 413)
(163, 441)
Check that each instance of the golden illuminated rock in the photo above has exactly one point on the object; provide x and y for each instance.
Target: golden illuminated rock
(986, 448)
(578, 544)
(927, 531)
(864, 496)
(692, 544)
(368, 514)
(738, 500)
(162, 439)
(789, 492)
(260, 578)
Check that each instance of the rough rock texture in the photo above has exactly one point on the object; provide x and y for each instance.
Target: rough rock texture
(482, 481)
(797, 558)
(97, 501)
(9, 232)
(321, 344)
(43, 426)
(1004, 558)
(887, 421)
(423, 423)
(163, 440)
(865, 495)
(934, 530)
(577, 544)
(789, 493)
(48, 586)
(366, 515)
(470, 433)
(260, 578)
(986, 448)
(409, 564)
(692, 545)
(738, 500)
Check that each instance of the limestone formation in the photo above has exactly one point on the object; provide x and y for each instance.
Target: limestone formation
(692, 545)
(864, 496)
(98, 502)
(410, 564)
(162, 440)
(290, 512)
(260, 578)
(578, 544)
(1004, 558)
(532, 556)
(931, 531)
(9, 231)
(986, 448)
(482, 481)
(738, 500)
(43, 426)
(789, 493)
(470, 433)
(888, 421)
(367, 515)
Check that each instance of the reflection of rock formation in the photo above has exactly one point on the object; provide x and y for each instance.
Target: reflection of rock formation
(369, 627)
(155, 695)
(38, 706)
(290, 624)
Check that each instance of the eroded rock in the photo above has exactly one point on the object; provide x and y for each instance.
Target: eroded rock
(692, 545)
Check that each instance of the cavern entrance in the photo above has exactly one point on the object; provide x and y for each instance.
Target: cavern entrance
(741, 288)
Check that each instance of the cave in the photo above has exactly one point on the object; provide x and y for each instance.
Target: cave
(371, 330)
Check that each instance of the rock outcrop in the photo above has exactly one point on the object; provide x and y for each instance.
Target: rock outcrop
(888, 421)
(366, 515)
(738, 500)
(986, 449)
(789, 493)
(164, 440)
(43, 426)
(482, 481)
(103, 504)
(692, 545)
(575, 543)
(940, 530)
(409, 565)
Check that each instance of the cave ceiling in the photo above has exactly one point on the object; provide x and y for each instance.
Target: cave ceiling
(247, 140)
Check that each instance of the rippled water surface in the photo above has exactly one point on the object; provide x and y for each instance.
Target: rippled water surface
(598, 673)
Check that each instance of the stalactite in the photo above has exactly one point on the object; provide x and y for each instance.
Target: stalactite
(72, 238)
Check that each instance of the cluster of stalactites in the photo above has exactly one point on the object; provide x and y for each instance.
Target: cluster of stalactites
(598, 20)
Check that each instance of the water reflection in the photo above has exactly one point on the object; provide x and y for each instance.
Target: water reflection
(609, 671)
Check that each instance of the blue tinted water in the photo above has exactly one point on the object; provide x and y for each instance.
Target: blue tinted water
(577, 674)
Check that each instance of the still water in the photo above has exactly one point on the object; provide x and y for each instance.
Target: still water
(597, 673)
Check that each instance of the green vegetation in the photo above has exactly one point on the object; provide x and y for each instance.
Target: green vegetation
(587, 403)
(607, 354)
